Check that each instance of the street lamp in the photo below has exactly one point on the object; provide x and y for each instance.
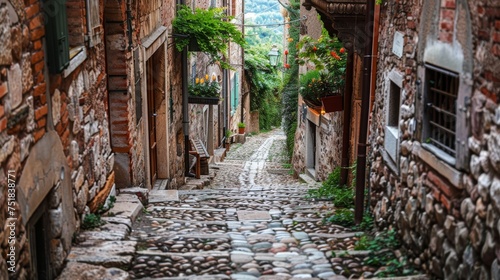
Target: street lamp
(274, 54)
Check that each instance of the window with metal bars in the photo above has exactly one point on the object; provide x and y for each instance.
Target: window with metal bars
(441, 109)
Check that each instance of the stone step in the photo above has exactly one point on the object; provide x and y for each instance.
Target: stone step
(202, 277)
(74, 270)
(309, 180)
(208, 223)
(216, 254)
(337, 235)
(104, 253)
(126, 206)
(156, 196)
(187, 209)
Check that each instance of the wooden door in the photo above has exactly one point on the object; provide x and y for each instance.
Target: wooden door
(151, 120)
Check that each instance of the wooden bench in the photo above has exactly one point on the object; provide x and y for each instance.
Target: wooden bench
(202, 156)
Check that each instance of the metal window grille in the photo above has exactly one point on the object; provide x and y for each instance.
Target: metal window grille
(442, 91)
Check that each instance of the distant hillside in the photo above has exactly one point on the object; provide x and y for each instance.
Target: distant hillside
(261, 12)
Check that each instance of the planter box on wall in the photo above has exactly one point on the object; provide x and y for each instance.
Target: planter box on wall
(203, 100)
(333, 103)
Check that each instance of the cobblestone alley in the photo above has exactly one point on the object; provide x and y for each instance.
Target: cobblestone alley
(251, 222)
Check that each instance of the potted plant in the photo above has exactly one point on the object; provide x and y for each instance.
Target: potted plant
(227, 141)
(204, 91)
(324, 86)
(241, 128)
(210, 30)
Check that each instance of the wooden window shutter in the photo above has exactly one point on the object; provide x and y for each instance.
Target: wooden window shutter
(56, 33)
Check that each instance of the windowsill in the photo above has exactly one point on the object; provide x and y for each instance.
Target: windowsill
(429, 154)
(391, 141)
(390, 162)
(78, 56)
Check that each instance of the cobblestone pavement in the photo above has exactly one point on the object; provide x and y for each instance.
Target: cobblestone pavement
(252, 222)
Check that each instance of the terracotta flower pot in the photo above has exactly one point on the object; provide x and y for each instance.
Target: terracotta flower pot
(241, 130)
(333, 103)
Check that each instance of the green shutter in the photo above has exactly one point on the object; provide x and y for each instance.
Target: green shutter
(56, 34)
(235, 93)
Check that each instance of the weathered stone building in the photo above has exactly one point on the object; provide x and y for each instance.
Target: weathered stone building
(85, 102)
(435, 172)
(209, 122)
(54, 129)
(319, 141)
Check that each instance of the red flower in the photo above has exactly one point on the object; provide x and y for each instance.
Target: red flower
(287, 66)
(286, 52)
(342, 50)
(315, 49)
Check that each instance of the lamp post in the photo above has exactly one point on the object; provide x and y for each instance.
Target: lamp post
(273, 55)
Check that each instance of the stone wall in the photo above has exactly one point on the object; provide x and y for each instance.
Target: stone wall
(53, 130)
(328, 127)
(446, 214)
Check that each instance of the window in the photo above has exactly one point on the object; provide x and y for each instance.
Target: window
(235, 85)
(56, 28)
(393, 87)
(441, 92)
(213, 3)
(392, 127)
(68, 25)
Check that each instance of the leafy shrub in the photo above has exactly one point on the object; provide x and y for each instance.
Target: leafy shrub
(92, 221)
(342, 196)
(342, 217)
(381, 254)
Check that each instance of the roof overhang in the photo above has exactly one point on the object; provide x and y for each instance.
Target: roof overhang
(343, 18)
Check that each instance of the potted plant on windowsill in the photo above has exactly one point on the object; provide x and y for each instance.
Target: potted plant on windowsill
(323, 87)
(209, 30)
(204, 91)
(241, 128)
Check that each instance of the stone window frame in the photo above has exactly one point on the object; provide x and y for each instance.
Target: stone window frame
(456, 56)
(445, 56)
(396, 78)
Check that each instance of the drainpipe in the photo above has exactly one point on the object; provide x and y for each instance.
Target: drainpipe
(185, 106)
(365, 107)
(346, 134)
(242, 60)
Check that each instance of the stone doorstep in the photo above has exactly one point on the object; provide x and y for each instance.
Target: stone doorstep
(106, 253)
(163, 196)
(109, 232)
(135, 191)
(126, 209)
(308, 180)
(185, 255)
(118, 220)
(127, 198)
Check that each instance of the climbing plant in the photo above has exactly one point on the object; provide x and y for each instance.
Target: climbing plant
(290, 89)
(264, 87)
